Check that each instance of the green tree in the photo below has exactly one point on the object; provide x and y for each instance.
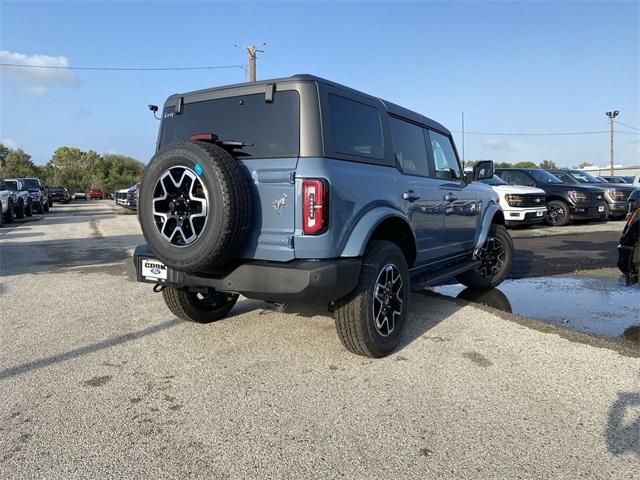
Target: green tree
(503, 165)
(525, 165)
(122, 171)
(17, 163)
(548, 164)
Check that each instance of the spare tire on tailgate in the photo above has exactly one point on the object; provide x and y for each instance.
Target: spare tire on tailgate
(194, 206)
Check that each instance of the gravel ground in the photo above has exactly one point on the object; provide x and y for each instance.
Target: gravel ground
(97, 379)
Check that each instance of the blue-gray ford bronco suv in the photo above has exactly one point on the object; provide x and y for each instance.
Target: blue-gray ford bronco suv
(301, 189)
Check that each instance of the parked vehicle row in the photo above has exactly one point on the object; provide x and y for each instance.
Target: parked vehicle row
(20, 197)
(127, 197)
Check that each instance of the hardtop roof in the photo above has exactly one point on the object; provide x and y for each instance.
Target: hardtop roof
(390, 107)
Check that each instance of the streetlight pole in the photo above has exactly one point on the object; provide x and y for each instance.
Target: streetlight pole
(612, 115)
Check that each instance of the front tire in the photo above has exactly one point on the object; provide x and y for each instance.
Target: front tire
(559, 214)
(371, 319)
(39, 209)
(496, 257)
(29, 210)
(196, 307)
(45, 206)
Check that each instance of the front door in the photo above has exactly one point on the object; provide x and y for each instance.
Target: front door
(461, 209)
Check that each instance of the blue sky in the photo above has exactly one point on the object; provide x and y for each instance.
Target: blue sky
(510, 66)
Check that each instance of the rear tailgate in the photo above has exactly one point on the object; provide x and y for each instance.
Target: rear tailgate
(272, 185)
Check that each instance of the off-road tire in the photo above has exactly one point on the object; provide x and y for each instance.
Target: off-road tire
(39, 209)
(8, 217)
(229, 206)
(29, 210)
(566, 214)
(354, 314)
(188, 306)
(20, 210)
(475, 279)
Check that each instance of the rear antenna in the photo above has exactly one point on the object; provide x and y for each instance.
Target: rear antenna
(154, 109)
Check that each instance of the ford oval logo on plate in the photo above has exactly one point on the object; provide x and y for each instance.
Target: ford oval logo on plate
(155, 270)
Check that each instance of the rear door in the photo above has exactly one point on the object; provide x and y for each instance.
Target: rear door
(269, 131)
(418, 193)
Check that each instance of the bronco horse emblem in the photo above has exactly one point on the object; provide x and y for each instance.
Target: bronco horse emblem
(280, 203)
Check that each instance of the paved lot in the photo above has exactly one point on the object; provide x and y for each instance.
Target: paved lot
(98, 380)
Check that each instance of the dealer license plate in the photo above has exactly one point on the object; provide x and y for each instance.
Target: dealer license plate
(153, 269)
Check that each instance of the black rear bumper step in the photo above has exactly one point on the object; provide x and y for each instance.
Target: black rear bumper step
(298, 280)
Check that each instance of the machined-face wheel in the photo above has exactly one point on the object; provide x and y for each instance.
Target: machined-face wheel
(387, 300)
(180, 202)
(492, 257)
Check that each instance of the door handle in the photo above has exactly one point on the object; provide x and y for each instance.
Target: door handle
(450, 197)
(410, 196)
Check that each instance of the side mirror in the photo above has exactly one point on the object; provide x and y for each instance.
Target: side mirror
(483, 170)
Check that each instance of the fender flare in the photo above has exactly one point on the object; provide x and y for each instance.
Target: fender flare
(361, 233)
(489, 214)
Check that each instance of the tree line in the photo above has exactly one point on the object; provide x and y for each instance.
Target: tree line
(545, 164)
(73, 168)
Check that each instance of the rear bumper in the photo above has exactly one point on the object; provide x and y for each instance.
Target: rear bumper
(297, 280)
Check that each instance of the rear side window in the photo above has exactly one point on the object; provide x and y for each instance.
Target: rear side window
(355, 128)
(409, 148)
(444, 157)
(269, 129)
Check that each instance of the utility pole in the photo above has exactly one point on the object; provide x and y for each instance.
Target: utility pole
(252, 52)
(463, 141)
(612, 115)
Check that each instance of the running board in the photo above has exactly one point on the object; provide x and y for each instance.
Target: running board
(431, 278)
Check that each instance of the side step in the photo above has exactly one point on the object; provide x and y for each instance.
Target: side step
(427, 279)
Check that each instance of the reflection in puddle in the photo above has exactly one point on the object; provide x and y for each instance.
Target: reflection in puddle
(599, 305)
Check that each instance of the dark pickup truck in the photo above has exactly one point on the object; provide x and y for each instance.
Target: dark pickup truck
(565, 202)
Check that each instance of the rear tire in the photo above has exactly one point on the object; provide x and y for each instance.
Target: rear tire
(371, 319)
(198, 308)
(20, 210)
(559, 214)
(496, 257)
(8, 217)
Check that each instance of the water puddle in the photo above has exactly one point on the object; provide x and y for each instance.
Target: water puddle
(599, 305)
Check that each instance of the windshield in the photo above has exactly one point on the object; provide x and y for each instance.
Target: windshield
(495, 180)
(543, 176)
(30, 183)
(584, 177)
(10, 185)
(56, 189)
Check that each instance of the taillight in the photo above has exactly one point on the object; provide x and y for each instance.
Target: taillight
(315, 206)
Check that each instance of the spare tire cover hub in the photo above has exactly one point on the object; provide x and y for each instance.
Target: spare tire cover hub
(180, 202)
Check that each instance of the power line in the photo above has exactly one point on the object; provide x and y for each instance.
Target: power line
(536, 133)
(123, 69)
(624, 124)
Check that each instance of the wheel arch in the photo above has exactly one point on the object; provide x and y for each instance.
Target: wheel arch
(492, 215)
(383, 224)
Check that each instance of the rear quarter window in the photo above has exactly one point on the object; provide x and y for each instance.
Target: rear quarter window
(355, 128)
(269, 129)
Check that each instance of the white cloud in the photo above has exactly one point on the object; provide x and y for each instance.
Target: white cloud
(37, 80)
(501, 144)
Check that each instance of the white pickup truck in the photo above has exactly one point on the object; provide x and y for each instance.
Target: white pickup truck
(522, 206)
(19, 200)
